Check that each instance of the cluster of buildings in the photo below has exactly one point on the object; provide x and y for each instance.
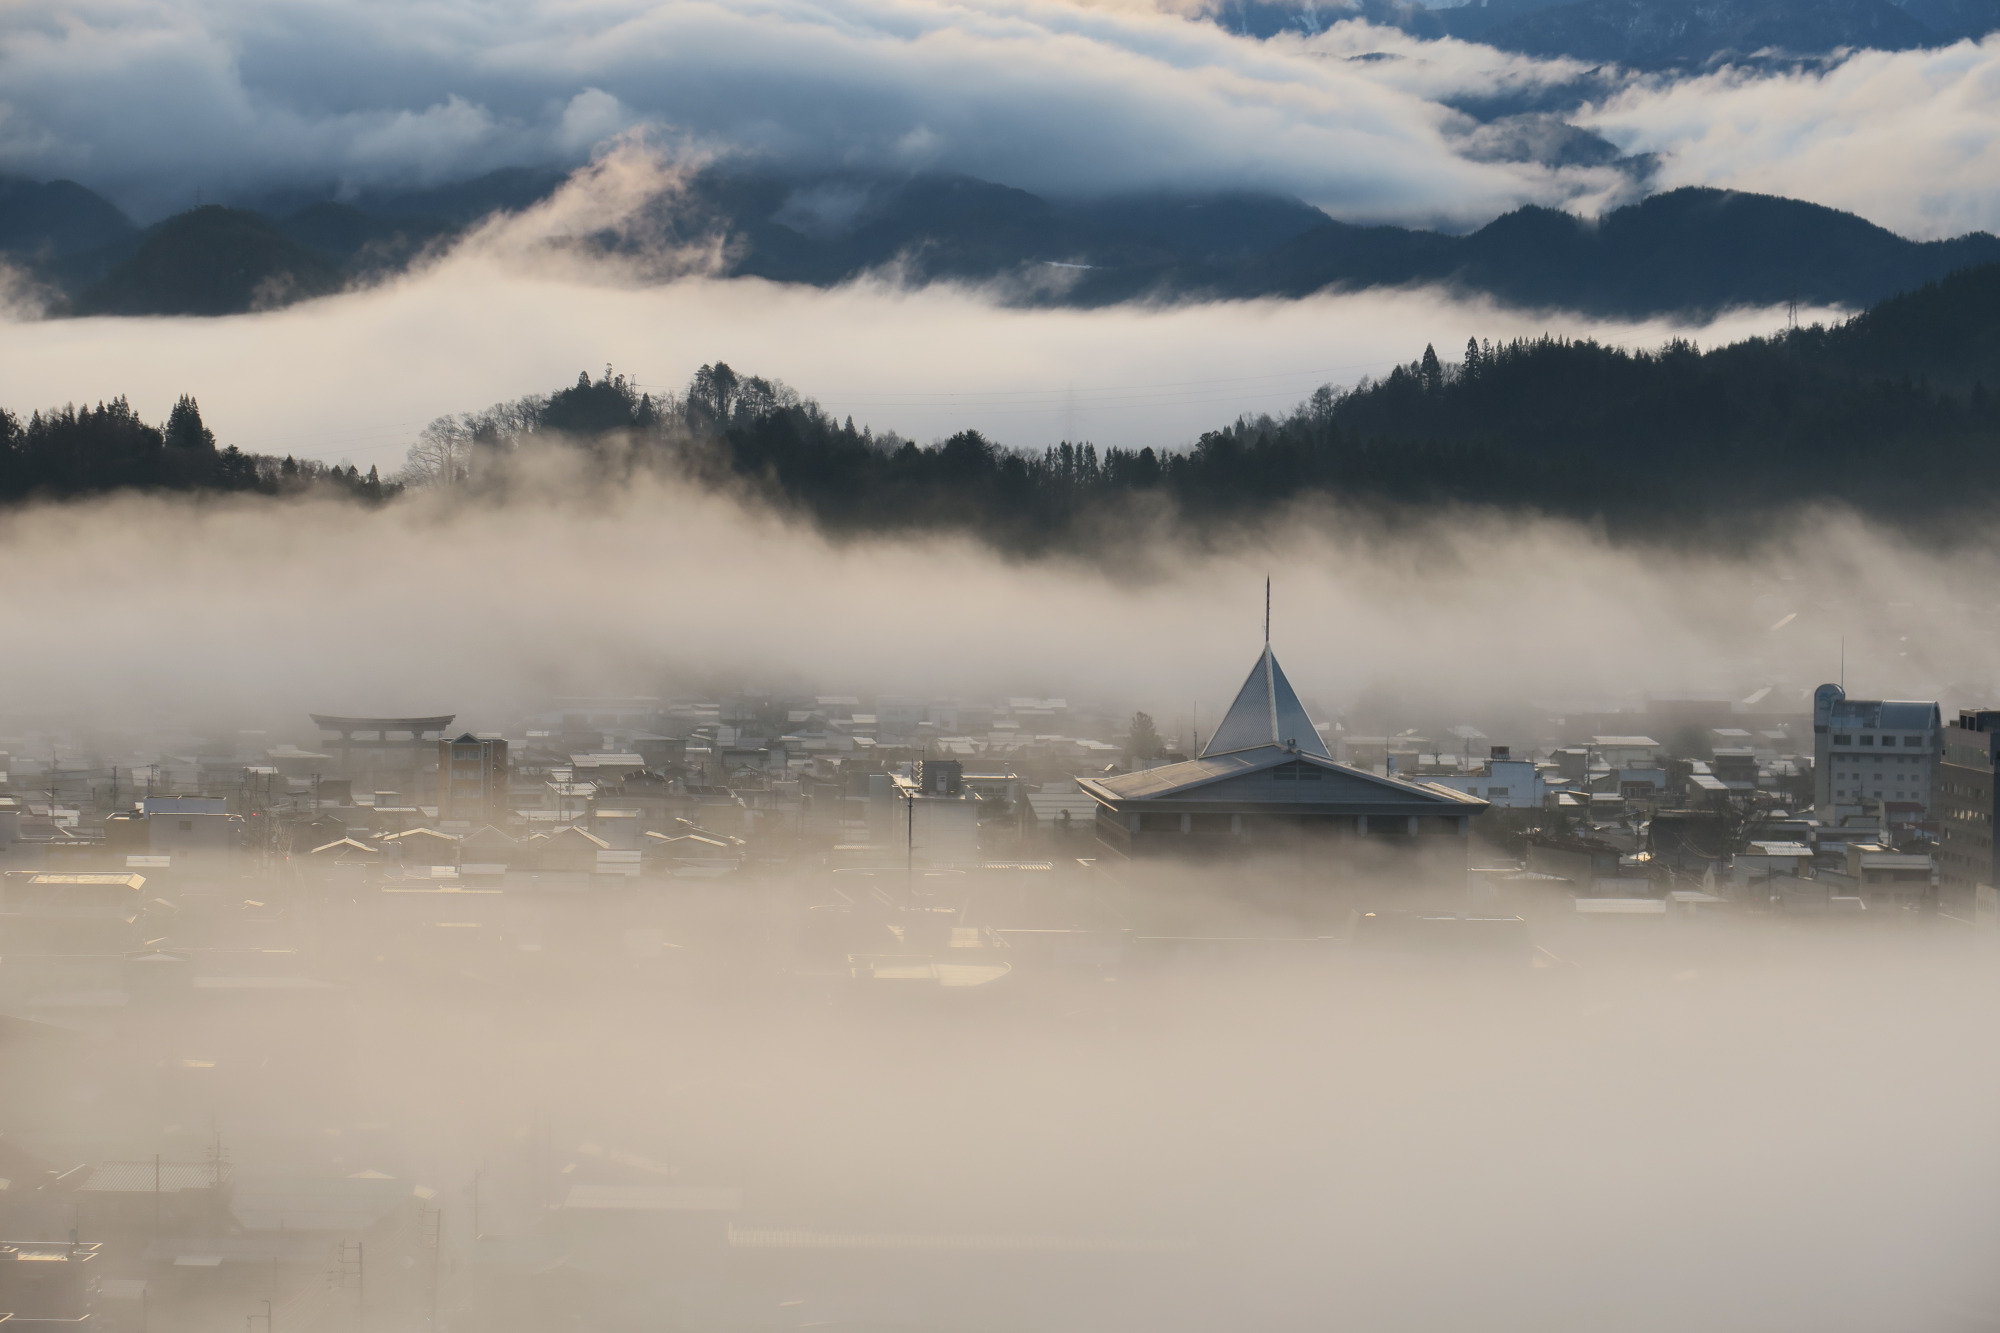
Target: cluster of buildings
(898, 845)
(658, 788)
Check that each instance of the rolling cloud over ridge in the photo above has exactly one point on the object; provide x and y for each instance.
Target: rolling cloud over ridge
(158, 102)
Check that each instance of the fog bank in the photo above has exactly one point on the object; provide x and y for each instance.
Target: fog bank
(255, 608)
(356, 377)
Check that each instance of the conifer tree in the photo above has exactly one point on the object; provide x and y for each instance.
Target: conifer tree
(185, 429)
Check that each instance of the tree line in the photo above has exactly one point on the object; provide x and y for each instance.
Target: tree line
(1889, 412)
(71, 451)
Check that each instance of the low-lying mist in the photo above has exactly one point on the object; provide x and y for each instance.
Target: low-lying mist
(438, 603)
(1745, 1124)
(356, 377)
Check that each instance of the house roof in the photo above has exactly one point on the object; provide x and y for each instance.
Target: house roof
(1266, 712)
(338, 846)
(1248, 777)
(417, 725)
(147, 1177)
(1050, 805)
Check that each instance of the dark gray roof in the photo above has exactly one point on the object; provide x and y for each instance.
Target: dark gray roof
(1831, 706)
(1906, 715)
(419, 725)
(1250, 777)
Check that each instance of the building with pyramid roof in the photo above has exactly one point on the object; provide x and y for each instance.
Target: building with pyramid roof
(1265, 788)
(1266, 712)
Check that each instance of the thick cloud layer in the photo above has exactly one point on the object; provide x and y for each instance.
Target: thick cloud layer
(153, 98)
(1910, 140)
(160, 102)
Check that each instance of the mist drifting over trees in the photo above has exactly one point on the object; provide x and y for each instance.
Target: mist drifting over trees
(1650, 440)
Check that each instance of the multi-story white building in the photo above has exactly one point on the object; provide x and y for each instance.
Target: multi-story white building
(1868, 751)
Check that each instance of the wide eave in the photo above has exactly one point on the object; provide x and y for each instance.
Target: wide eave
(1234, 783)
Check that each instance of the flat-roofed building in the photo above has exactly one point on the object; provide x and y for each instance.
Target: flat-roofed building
(1641, 752)
(1504, 782)
(472, 780)
(935, 815)
(190, 827)
(45, 1283)
(1884, 878)
(399, 753)
(1873, 755)
(1966, 802)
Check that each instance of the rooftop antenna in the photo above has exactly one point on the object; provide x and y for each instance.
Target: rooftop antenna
(1270, 685)
(1843, 664)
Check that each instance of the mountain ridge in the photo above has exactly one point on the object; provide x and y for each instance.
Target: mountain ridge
(1648, 35)
(1690, 252)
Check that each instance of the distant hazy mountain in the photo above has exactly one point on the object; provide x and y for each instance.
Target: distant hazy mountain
(1668, 34)
(1691, 251)
(212, 261)
(57, 218)
(455, 202)
(1953, 19)
(362, 242)
(1645, 34)
(1688, 252)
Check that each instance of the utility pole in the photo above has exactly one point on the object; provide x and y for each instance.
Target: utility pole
(357, 1267)
(435, 1217)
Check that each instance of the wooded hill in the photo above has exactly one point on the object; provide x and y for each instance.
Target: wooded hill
(1892, 412)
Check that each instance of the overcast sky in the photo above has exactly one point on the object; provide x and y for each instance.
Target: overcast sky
(157, 101)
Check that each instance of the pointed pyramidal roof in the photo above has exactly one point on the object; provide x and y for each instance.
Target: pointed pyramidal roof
(1266, 712)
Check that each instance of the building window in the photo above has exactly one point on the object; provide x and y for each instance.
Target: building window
(1843, 740)
(1867, 740)
(1913, 740)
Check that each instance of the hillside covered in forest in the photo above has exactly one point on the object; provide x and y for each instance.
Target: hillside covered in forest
(1892, 412)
